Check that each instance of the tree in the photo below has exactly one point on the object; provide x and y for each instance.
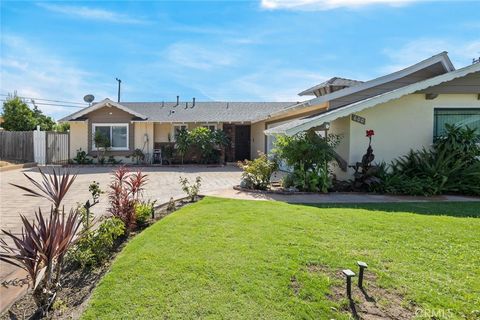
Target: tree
(17, 115)
(45, 122)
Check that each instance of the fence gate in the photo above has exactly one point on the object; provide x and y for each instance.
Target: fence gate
(58, 147)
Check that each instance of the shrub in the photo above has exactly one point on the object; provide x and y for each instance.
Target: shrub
(138, 156)
(450, 166)
(210, 143)
(144, 211)
(256, 173)
(309, 155)
(112, 160)
(82, 157)
(125, 192)
(191, 189)
(95, 246)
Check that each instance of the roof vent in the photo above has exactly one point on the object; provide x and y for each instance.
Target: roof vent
(193, 103)
(178, 101)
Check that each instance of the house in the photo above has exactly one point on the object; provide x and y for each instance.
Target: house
(406, 109)
(146, 125)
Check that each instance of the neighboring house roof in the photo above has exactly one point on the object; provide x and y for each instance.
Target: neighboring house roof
(333, 82)
(187, 112)
(299, 125)
(428, 68)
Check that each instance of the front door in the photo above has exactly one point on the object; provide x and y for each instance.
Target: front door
(242, 142)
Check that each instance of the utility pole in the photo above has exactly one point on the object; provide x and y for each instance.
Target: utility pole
(119, 83)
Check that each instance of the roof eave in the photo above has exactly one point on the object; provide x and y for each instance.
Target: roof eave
(373, 101)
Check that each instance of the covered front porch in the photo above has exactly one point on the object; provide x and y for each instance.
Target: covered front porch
(157, 140)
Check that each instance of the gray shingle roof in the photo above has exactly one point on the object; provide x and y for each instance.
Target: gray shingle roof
(335, 82)
(203, 111)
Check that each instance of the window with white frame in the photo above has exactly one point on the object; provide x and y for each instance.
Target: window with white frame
(117, 134)
(177, 128)
(211, 127)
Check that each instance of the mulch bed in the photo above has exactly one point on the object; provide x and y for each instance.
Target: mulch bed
(78, 284)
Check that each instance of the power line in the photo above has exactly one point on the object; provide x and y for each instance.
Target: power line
(52, 104)
(59, 101)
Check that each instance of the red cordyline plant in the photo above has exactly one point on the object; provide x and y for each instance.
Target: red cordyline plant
(125, 191)
(42, 244)
(54, 187)
(40, 249)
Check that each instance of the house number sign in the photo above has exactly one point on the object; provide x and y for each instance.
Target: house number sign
(358, 119)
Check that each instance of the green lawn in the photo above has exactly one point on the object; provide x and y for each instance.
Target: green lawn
(232, 259)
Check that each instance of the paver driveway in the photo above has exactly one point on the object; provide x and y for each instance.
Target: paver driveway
(163, 184)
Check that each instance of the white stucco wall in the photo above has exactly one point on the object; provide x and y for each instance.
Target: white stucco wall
(257, 137)
(144, 137)
(401, 125)
(78, 137)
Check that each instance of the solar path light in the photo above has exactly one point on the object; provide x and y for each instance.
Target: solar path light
(362, 265)
(349, 274)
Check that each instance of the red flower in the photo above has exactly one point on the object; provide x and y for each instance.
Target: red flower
(370, 133)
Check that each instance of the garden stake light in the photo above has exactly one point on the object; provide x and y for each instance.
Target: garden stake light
(349, 274)
(362, 265)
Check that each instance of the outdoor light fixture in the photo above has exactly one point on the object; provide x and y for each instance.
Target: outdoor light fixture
(349, 274)
(362, 265)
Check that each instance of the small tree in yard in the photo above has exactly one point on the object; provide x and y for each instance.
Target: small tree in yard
(309, 155)
(182, 143)
(102, 143)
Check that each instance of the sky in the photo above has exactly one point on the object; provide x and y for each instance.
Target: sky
(265, 50)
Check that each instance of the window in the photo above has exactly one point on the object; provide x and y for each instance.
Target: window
(458, 116)
(212, 127)
(177, 128)
(117, 134)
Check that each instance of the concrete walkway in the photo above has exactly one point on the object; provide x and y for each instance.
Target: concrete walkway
(348, 197)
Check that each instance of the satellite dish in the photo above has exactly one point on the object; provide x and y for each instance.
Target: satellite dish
(89, 98)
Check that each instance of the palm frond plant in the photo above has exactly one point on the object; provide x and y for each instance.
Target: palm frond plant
(53, 187)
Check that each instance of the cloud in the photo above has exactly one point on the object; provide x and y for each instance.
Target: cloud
(199, 56)
(91, 13)
(270, 83)
(33, 71)
(460, 52)
(320, 5)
